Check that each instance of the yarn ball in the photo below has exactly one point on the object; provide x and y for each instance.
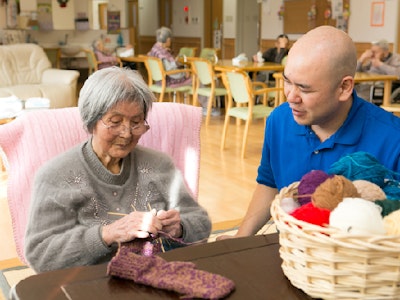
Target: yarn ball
(361, 165)
(308, 183)
(332, 191)
(392, 223)
(392, 189)
(311, 214)
(388, 206)
(289, 205)
(357, 216)
(369, 190)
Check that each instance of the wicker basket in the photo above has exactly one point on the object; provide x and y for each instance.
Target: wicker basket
(329, 264)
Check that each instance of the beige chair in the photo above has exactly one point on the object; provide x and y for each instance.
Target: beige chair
(241, 105)
(187, 51)
(26, 72)
(157, 80)
(210, 54)
(206, 82)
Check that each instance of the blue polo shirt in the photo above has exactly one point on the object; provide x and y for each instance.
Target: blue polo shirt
(291, 150)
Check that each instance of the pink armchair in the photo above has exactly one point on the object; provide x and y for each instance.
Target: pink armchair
(37, 136)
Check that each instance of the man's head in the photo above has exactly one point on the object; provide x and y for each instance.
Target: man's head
(319, 76)
(380, 49)
(282, 41)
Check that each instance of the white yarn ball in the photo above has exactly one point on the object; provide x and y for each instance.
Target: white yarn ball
(289, 205)
(357, 216)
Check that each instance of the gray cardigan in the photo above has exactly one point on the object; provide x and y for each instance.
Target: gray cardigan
(74, 193)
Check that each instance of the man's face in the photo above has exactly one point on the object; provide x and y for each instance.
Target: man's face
(310, 90)
(282, 42)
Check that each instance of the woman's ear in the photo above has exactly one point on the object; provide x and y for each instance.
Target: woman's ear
(346, 88)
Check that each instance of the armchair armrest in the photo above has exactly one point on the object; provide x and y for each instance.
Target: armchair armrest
(58, 76)
(177, 71)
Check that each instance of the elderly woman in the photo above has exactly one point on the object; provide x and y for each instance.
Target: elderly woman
(105, 59)
(162, 50)
(76, 195)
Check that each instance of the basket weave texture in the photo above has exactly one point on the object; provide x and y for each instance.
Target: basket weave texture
(329, 264)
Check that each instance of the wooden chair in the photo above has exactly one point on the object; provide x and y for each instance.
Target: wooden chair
(242, 94)
(210, 54)
(205, 83)
(157, 79)
(175, 130)
(187, 51)
(54, 55)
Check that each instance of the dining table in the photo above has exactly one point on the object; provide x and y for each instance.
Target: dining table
(252, 263)
(247, 66)
(358, 78)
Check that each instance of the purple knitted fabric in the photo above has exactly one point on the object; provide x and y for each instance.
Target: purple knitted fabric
(178, 276)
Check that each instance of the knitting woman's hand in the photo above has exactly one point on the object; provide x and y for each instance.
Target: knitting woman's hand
(137, 224)
(171, 222)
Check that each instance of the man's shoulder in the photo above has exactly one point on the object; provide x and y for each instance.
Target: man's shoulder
(379, 116)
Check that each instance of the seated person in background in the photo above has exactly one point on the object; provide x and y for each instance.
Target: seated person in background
(162, 50)
(275, 55)
(378, 60)
(71, 220)
(322, 120)
(105, 58)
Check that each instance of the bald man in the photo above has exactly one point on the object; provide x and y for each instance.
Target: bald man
(322, 120)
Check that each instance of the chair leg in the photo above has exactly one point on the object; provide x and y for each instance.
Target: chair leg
(209, 109)
(244, 143)
(224, 131)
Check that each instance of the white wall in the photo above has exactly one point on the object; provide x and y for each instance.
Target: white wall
(194, 28)
(360, 29)
(148, 21)
(229, 18)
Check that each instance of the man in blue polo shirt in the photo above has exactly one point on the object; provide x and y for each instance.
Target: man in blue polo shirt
(322, 120)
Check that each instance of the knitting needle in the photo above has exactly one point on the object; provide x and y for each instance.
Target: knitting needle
(159, 239)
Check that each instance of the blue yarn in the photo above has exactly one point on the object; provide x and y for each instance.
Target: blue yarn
(362, 166)
(392, 189)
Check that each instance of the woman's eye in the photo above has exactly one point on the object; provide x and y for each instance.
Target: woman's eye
(115, 122)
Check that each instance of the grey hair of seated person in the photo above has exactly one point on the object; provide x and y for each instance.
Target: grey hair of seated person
(106, 88)
(383, 44)
(162, 34)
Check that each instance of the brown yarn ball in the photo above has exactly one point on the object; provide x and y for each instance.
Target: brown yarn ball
(369, 190)
(332, 191)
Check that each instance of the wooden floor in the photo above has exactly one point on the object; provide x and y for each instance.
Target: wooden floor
(226, 180)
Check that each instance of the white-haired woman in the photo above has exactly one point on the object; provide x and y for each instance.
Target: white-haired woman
(69, 222)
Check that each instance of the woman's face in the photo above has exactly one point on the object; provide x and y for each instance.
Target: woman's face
(113, 138)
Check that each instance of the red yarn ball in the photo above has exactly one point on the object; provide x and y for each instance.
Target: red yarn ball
(311, 214)
(308, 183)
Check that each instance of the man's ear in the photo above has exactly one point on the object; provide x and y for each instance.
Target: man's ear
(346, 88)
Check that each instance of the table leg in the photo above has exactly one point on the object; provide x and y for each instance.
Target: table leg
(387, 90)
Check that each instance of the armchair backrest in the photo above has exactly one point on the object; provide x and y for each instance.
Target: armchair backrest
(238, 85)
(210, 53)
(155, 68)
(37, 136)
(203, 69)
(22, 64)
(187, 51)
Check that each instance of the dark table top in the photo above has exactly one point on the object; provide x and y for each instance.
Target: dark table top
(253, 263)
